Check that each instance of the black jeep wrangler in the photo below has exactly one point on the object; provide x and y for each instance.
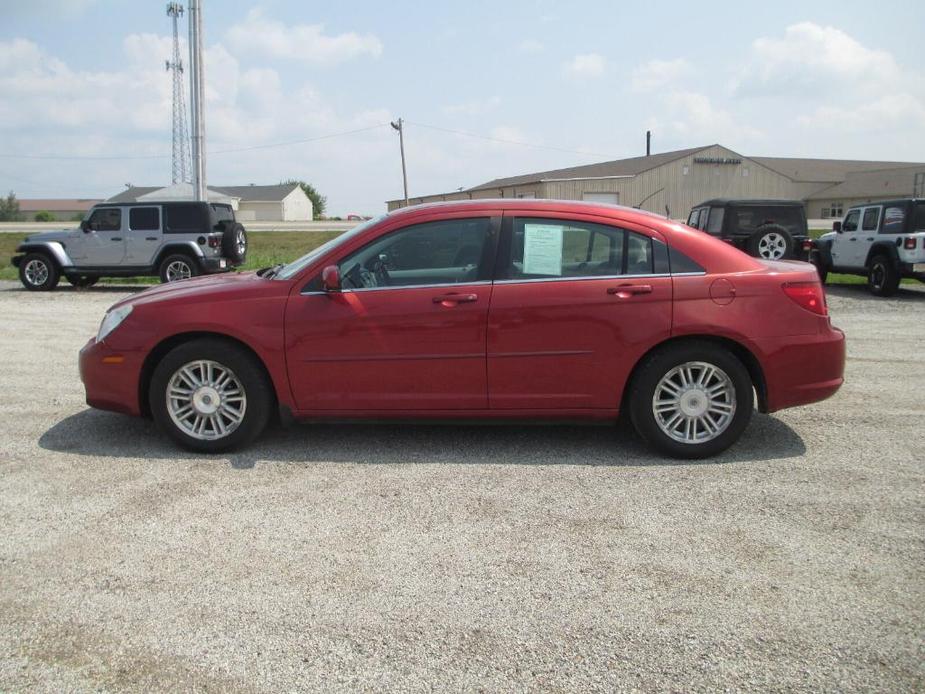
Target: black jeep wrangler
(769, 229)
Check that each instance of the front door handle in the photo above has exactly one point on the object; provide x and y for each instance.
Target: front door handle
(150, 238)
(625, 291)
(116, 238)
(870, 238)
(453, 299)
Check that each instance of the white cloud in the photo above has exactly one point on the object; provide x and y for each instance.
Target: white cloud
(656, 74)
(693, 118)
(530, 46)
(586, 65)
(473, 108)
(304, 42)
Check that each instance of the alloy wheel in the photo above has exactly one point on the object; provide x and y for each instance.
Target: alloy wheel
(36, 272)
(206, 400)
(772, 246)
(178, 270)
(694, 402)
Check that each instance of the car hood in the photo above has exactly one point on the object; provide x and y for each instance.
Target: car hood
(57, 235)
(211, 288)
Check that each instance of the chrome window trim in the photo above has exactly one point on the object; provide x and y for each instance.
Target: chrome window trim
(404, 286)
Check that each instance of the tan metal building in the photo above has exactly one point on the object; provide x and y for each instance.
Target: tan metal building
(674, 182)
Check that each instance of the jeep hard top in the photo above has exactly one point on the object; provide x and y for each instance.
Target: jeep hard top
(769, 229)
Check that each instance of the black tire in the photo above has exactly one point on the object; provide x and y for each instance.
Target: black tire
(771, 242)
(38, 272)
(882, 276)
(234, 243)
(659, 364)
(171, 265)
(81, 281)
(247, 371)
(821, 268)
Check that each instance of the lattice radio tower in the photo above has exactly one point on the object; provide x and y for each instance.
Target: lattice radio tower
(182, 167)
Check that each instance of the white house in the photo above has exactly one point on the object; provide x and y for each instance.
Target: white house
(279, 203)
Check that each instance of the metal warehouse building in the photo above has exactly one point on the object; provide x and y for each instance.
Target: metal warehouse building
(678, 180)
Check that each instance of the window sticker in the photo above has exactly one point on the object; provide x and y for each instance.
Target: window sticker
(542, 249)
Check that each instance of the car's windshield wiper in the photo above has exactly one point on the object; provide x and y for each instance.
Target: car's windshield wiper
(270, 272)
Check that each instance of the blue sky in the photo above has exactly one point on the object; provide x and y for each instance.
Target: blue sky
(578, 82)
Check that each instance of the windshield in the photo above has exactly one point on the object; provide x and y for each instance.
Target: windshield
(296, 266)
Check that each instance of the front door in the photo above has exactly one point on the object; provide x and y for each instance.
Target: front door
(407, 331)
(104, 242)
(143, 236)
(845, 244)
(577, 302)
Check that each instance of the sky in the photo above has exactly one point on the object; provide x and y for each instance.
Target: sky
(306, 90)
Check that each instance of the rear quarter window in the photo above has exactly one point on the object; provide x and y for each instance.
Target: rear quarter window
(894, 220)
(184, 219)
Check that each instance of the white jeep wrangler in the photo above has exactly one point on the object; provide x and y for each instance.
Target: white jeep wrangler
(883, 241)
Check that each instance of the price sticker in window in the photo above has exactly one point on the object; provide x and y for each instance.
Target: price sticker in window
(542, 249)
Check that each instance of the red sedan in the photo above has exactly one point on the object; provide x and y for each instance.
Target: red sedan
(490, 309)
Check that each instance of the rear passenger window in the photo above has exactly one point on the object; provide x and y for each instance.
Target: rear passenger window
(894, 220)
(871, 217)
(144, 219)
(549, 248)
(180, 219)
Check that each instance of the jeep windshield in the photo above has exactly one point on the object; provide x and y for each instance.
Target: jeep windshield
(749, 218)
(296, 266)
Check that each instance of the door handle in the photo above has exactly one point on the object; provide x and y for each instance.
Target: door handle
(453, 299)
(853, 239)
(870, 238)
(624, 291)
(150, 238)
(116, 238)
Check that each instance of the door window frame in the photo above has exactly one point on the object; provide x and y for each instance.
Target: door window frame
(876, 226)
(160, 217)
(122, 216)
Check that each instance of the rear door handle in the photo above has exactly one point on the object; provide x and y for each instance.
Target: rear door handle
(150, 238)
(624, 291)
(870, 238)
(116, 238)
(453, 299)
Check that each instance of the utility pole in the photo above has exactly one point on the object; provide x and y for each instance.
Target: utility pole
(399, 125)
(197, 101)
(180, 160)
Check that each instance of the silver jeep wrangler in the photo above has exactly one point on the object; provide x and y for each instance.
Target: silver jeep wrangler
(172, 240)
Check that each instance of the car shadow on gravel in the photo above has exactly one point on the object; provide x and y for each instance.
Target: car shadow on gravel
(69, 290)
(102, 434)
(859, 292)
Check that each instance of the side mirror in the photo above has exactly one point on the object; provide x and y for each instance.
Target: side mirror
(836, 227)
(330, 279)
(85, 226)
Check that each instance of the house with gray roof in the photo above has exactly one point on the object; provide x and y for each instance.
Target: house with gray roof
(674, 182)
(286, 202)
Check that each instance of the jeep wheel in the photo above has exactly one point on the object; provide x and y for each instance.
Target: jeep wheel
(177, 267)
(771, 242)
(822, 269)
(234, 243)
(882, 277)
(38, 273)
(81, 281)
(210, 395)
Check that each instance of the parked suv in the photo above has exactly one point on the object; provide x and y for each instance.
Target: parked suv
(884, 241)
(173, 240)
(769, 229)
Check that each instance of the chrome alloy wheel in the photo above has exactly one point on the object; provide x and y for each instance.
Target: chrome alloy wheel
(36, 272)
(772, 246)
(694, 402)
(241, 243)
(178, 270)
(206, 400)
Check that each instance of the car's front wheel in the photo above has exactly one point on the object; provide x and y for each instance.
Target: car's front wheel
(691, 400)
(38, 273)
(882, 276)
(210, 395)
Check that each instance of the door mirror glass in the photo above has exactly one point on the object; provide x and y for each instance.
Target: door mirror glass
(836, 227)
(330, 279)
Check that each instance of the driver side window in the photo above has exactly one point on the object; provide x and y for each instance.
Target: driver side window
(443, 252)
(106, 219)
(851, 221)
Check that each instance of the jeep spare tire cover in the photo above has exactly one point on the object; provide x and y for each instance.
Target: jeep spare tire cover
(771, 242)
(234, 242)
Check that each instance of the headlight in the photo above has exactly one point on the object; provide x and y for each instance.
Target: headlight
(112, 320)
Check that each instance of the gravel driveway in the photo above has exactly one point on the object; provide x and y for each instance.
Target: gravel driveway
(458, 557)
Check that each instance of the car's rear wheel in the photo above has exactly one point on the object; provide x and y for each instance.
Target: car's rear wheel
(882, 276)
(81, 281)
(771, 242)
(691, 400)
(38, 273)
(177, 267)
(210, 395)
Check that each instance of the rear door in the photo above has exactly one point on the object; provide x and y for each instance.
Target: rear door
(576, 302)
(143, 236)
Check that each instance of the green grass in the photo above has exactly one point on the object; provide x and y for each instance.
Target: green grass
(266, 248)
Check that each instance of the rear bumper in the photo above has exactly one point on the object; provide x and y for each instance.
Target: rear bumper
(110, 377)
(800, 370)
(211, 266)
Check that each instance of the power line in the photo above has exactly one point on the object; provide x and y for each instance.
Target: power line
(220, 151)
(509, 142)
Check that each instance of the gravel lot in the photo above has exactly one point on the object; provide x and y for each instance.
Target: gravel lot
(460, 557)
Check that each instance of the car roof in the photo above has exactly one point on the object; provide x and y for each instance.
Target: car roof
(148, 203)
(895, 201)
(750, 201)
(525, 204)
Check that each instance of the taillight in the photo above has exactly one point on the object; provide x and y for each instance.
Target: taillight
(808, 245)
(909, 243)
(215, 241)
(809, 295)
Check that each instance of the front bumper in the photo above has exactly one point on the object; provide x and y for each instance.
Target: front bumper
(110, 377)
(800, 370)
